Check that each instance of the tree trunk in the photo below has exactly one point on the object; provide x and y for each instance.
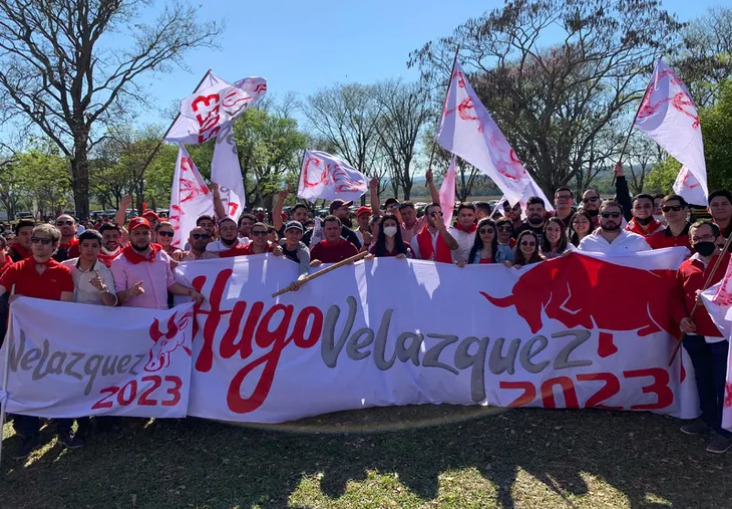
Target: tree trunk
(80, 180)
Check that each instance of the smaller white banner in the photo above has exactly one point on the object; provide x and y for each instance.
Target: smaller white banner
(124, 361)
(327, 177)
(190, 198)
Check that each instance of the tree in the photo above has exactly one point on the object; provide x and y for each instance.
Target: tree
(405, 109)
(347, 117)
(553, 102)
(42, 175)
(60, 71)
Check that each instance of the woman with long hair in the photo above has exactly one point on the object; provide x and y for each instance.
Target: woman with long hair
(389, 241)
(526, 250)
(165, 232)
(554, 243)
(486, 248)
(580, 227)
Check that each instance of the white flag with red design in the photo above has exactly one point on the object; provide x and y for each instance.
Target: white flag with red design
(328, 177)
(467, 130)
(226, 172)
(190, 198)
(207, 112)
(688, 187)
(668, 116)
(447, 193)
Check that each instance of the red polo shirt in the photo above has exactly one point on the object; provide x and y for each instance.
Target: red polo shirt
(333, 253)
(28, 282)
(664, 238)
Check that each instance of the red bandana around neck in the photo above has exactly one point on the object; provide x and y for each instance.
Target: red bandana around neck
(135, 257)
(470, 229)
(424, 241)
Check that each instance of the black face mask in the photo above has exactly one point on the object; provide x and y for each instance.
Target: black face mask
(646, 221)
(705, 248)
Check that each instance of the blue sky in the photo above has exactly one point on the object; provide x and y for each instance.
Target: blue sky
(301, 46)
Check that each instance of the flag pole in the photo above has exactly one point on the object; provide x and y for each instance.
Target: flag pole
(697, 302)
(449, 80)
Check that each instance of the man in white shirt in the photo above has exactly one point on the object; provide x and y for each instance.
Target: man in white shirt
(229, 233)
(610, 238)
(463, 232)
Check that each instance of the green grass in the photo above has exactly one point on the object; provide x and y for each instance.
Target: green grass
(410, 457)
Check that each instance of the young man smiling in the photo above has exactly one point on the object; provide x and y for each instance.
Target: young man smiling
(259, 243)
(41, 277)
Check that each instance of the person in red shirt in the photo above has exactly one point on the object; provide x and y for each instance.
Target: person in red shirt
(705, 345)
(259, 243)
(41, 277)
(333, 248)
(68, 246)
(643, 222)
(675, 211)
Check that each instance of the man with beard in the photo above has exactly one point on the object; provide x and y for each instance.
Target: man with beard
(563, 201)
(142, 273)
(706, 346)
(228, 238)
(535, 218)
(197, 240)
(111, 243)
(675, 211)
(463, 232)
(513, 214)
(68, 247)
(591, 203)
(643, 222)
(434, 242)
(611, 238)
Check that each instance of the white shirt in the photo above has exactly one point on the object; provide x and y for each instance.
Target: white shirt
(465, 243)
(626, 242)
(84, 292)
(217, 245)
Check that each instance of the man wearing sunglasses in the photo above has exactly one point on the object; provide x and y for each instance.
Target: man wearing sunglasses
(675, 212)
(591, 204)
(197, 240)
(611, 238)
(259, 243)
(68, 246)
(41, 277)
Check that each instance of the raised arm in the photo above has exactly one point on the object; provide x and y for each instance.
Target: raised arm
(124, 204)
(374, 192)
(277, 210)
(431, 184)
(219, 209)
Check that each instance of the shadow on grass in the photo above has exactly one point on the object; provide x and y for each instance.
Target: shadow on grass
(196, 463)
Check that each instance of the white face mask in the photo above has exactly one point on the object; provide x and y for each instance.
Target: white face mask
(390, 231)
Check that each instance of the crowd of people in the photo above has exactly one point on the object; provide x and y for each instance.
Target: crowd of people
(113, 264)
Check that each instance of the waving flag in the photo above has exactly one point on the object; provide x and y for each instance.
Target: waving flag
(208, 111)
(226, 172)
(467, 130)
(668, 116)
(325, 176)
(447, 193)
(688, 187)
(189, 199)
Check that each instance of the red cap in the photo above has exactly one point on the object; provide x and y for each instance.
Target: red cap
(139, 222)
(151, 215)
(363, 210)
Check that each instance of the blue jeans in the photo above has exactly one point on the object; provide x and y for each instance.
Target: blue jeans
(710, 370)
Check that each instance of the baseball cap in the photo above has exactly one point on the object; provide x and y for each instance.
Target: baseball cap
(363, 210)
(139, 222)
(293, 224)
(151, 215)
(339, 203)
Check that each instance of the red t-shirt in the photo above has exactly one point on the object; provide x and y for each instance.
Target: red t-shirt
(28, 282)
(242, 251)
(332, 253)
(72, 248)
(486, 260)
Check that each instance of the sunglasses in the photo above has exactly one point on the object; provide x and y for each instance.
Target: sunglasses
(614, 215)
(669, 208)
(62, 223)
(259, 233)
(39, 240)
(166, 233)
(484, 231)
(529, 243)
(199, 236)
(392, 207)
(590, 200)
(505, 229)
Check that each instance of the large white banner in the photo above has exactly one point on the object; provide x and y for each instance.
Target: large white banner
(74, 360)
(573, 332)
(226, 172)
